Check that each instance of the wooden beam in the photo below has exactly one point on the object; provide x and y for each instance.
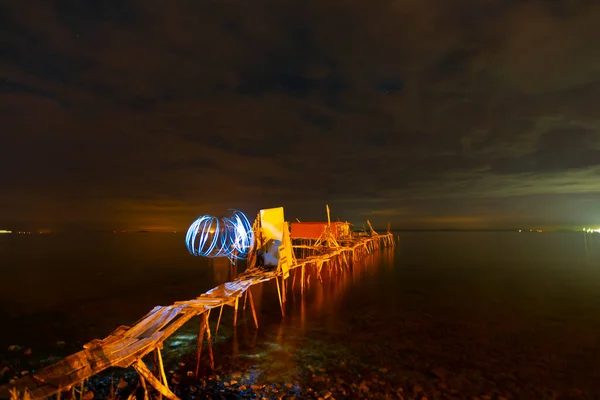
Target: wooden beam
(161, 366)
(144, 372)
(253, 309)
(200, 341)
(219, 320)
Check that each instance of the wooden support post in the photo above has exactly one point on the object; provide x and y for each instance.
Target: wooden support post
(279, 295)
(302, 280)
(283, 290)
(200, 341)
(245, 300)
(253, 341)
(219, 320)
(161, 366)
(209, 341)
(143, 382)
(235, 312)
(252, 307)
(144, 372)
(155, 363)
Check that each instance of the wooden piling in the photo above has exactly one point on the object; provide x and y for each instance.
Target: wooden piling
(253, 309)
(219, 320)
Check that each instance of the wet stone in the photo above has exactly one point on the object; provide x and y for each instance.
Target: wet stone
(88, 395)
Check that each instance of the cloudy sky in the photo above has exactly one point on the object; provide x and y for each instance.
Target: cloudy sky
(144, 114)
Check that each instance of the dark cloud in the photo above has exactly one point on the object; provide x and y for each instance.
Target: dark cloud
(425, 113)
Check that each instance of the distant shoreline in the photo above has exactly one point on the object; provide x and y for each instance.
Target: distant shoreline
(415, 230)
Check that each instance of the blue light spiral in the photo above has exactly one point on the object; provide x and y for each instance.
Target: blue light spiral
(214, 237)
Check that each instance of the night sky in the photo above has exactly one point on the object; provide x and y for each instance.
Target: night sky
(423, 113)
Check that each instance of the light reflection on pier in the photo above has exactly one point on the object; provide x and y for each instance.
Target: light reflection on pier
(318, 308)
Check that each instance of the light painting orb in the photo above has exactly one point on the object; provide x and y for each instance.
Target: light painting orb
(212, 237)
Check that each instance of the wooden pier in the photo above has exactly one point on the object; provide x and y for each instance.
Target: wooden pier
(127, 346)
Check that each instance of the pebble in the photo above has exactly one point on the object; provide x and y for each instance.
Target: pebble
(329, 382)
(363, 387)
(88, 395)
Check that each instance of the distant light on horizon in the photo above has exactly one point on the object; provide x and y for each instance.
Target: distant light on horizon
(5, 231)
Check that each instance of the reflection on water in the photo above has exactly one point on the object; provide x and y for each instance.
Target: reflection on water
(516, 309)
(80, 287)
(591, 243)
(275, 349)
(508, 308)
(223, 270)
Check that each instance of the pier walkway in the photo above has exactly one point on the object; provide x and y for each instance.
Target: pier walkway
(126, 346)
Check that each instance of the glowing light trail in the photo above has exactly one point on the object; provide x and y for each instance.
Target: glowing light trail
(212, 237)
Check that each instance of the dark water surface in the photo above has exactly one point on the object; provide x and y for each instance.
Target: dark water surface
(513, 315)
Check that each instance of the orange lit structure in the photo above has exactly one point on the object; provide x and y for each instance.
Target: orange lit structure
(314, 230)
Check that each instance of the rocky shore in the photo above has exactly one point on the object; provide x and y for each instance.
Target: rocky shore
(314, 373)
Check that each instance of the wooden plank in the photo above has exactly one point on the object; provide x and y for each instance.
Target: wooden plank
(166, 315)
(168, 331)
(140, 325)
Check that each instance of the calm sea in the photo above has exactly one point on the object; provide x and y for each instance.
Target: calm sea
(507, 308)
